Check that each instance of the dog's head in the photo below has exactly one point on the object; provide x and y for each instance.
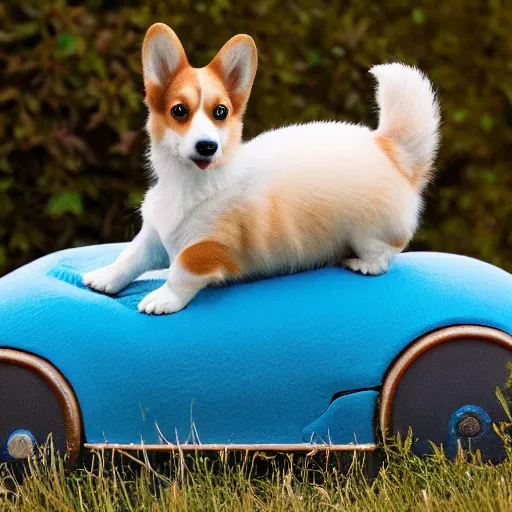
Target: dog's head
(196, 114)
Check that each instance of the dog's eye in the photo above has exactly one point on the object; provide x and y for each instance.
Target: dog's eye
(179, 111)
(220, 112)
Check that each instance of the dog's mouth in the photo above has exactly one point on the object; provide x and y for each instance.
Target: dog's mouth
(202, 163)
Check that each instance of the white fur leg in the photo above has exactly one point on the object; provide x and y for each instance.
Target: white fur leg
(374, 257)
(180, 288)
(163, 301)
(110, 279)
(144, 253)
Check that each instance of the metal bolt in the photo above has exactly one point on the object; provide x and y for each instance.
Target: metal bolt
(469, 426)
(20, 445)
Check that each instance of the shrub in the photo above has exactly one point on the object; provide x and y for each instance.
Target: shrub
(71, 110)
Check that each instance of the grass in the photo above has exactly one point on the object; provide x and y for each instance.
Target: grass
(403, 483)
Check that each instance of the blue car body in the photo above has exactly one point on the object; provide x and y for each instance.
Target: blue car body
(249, 363)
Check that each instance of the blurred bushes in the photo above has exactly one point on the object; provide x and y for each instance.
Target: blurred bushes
(71, 110)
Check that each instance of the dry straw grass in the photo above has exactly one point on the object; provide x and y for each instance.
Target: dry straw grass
(113, 482)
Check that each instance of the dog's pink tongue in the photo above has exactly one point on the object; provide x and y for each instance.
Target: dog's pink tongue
(201, 164)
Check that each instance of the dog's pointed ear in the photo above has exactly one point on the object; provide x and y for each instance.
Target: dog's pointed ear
(162, 55)
(236, 65)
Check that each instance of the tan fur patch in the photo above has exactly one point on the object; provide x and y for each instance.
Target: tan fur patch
(388, 147)
(214, 93)
(398, 244)
(422, 174)
(236, 228)
(155, 98)
(157, 126)
(208, 257)
(246, 237)
(274, 227)
(184, 89)
(276, 221)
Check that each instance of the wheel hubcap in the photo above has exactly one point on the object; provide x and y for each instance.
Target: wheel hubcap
(469, 426)
(21, 444)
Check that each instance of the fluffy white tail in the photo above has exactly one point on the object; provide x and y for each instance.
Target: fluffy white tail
(409, 118)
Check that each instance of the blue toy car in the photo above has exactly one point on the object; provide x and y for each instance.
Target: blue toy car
(326, 359)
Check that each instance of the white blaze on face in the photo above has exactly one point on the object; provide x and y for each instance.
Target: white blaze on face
(201, 128)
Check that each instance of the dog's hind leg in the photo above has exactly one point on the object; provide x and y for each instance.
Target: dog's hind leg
(373, 255)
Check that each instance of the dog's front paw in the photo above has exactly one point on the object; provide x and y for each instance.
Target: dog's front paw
(162, 301)
(104, 280)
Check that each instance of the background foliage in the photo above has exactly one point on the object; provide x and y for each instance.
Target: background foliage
(71, 110)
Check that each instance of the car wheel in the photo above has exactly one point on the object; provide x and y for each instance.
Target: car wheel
(36, 402)
(443, 387)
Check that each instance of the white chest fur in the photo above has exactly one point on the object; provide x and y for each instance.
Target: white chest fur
(181, 189)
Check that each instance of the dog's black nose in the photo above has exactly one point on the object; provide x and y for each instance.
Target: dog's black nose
(206, 147)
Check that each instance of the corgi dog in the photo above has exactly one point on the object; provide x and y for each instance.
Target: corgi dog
(291, 199)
